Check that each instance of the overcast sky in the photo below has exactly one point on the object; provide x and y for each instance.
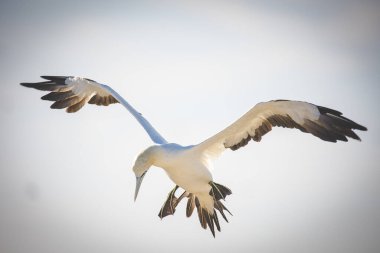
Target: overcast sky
(191, 67)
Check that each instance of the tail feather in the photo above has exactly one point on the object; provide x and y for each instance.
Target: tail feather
(201, 214)
(190, 205)
(207, 206)
(210, 222)
(219, 191)
(207, 218)
(220, 207)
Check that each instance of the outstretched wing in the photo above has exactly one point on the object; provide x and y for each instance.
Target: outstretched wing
(73, 93)
(324, 123)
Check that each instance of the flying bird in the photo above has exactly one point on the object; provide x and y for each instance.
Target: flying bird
(189, 166)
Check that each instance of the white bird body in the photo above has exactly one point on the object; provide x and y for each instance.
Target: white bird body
(189, 166)
(185, 168)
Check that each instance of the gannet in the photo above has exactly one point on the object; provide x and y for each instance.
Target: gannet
(189, 166)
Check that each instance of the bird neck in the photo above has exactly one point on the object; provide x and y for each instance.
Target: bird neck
(151, 155)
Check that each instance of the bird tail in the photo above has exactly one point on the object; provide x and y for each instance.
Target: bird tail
(207, 218)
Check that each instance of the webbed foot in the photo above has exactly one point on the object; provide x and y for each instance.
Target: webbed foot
(171, 203)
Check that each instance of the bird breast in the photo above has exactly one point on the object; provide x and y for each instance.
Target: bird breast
(184, 169)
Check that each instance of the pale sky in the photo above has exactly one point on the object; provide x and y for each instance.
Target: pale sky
(191, 67)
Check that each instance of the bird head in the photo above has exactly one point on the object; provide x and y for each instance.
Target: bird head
(141, 167)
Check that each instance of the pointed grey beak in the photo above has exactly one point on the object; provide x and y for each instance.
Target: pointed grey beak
(138, 184)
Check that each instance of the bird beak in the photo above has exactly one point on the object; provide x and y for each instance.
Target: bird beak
(138, 184)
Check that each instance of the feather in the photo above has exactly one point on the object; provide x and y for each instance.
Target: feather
(56, 96)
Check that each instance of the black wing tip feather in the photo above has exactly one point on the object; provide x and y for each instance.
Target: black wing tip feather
(55, 96)
(28, 85)
(61, 80)
(52, 83)
(332, 126)
(334, 113)
(31, 85)
(51, 78)
(325, 110)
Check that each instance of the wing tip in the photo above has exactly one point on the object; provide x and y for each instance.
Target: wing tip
(328, 111)
(32, 85)
(25, 84)
(361, 128)
(51, 78)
